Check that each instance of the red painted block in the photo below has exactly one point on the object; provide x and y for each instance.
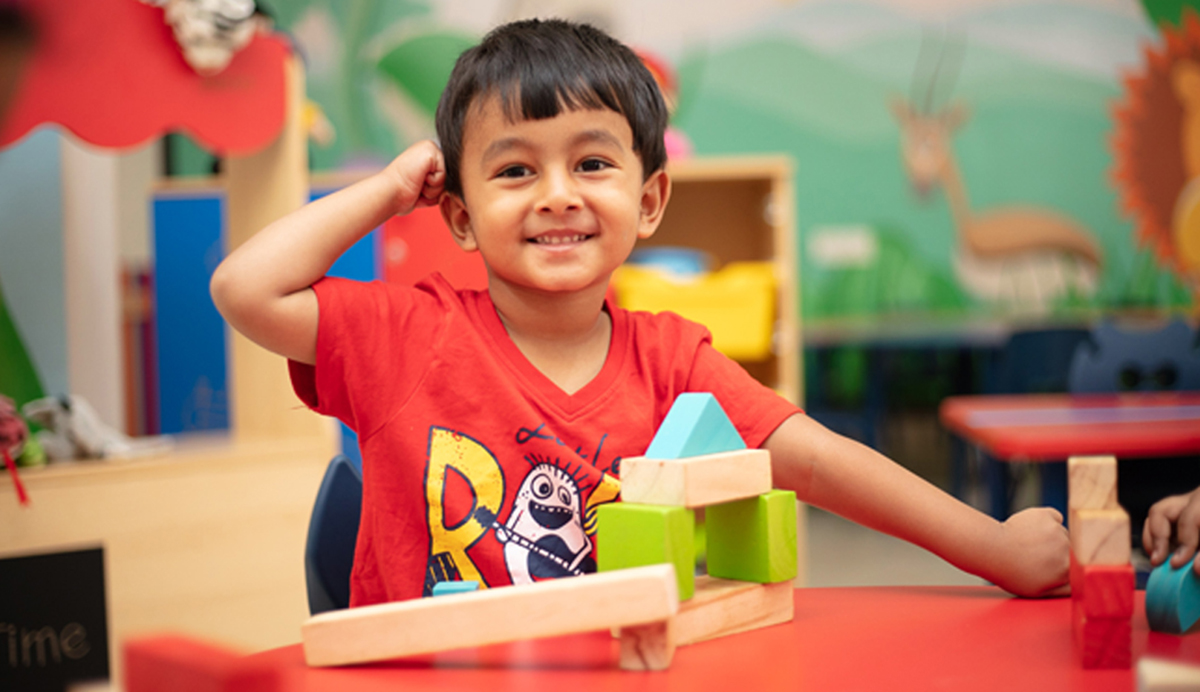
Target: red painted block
(1102, 642)
(1103, 591)
(180, 664)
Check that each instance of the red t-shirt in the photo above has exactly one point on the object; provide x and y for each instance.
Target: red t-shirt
(475, 465)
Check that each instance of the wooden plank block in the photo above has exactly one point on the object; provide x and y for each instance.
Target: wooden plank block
(1100, 536)
(634, 535)
(1173, 598)
(635, 596)
(182, 664)
(696, 481)
(647, 647)
(445, 588)
(1157, 675)
(753, 539)
(1091, 483)
(696, 425)
(721, 607)
(1104, 591)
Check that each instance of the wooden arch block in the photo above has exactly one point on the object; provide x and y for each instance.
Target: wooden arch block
(1173, 598)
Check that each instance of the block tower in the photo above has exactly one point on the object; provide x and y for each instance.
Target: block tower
(1102, 578)
(698, 460)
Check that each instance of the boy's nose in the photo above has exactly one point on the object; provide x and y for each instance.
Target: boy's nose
(559, 193)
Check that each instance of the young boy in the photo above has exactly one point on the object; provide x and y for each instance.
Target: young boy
(493, 423)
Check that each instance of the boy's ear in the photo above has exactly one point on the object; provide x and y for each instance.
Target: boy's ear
(458, 220)
(656, 191)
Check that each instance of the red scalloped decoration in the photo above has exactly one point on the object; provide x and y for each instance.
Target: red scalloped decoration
(111, 72)
(1147, 140)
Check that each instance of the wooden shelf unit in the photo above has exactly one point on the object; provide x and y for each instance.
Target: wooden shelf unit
(742, 209)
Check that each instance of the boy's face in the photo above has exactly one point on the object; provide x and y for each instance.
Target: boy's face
(553, 205)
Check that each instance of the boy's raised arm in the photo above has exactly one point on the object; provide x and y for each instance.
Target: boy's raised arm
(263, 287)
(1027, 555)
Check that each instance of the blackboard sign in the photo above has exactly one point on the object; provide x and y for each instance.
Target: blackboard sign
(53, 620)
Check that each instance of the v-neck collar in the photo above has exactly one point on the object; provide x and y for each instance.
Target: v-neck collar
(533, 379)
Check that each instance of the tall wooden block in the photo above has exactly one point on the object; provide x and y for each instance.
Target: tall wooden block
(1100, 536)
(1092, 483)
(632, 535)
(753, 539)
(696, 481)
(1173, 598)
(695, 425)
(1103, 591)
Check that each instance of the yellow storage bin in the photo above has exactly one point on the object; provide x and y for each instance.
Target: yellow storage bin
(736, 303)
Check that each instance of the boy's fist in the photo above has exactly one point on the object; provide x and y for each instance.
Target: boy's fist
(419, 175)
(1033, 554)
(1180, 513)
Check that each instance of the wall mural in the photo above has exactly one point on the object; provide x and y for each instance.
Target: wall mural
(953, 159)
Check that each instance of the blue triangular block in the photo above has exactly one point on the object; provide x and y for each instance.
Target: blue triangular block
(695, 425)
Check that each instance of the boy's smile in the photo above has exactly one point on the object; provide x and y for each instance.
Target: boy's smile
(553, 205)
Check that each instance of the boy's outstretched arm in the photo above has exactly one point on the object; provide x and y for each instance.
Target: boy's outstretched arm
(1178, 514)
(1028, 555)
(263, 287)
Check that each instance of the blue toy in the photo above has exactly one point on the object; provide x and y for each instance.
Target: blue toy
(695, 425)
(445, 588)
(1173, 598)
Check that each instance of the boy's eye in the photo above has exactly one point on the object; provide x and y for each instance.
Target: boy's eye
(513, 172)
(593, 165)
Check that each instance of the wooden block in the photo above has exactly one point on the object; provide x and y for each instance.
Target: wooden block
(696, 481)
(753, 539)
(182, 664)
(1157, 675)
(695, 425)
(633, 535)
(1103, 591)
(1091, 483)
(721, 607)
(1101, 643)
(445, 588)
(647, 647)
(1100, 536)
(1173, 598)
(551, 608)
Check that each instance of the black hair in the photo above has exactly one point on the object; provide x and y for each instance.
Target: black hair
(537, 68)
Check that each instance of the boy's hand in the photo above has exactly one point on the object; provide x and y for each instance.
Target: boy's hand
(1033, 554)
(419, 174)
(1178, 512)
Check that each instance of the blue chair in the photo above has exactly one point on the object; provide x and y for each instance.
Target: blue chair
(1122, 360)
(332, 533)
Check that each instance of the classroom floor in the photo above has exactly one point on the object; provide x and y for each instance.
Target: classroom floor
(842, 553)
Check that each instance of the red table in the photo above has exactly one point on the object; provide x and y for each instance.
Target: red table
(1052, 427)
(1043, 427)
(895, 639)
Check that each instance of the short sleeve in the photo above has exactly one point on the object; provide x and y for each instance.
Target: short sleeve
(755, 409)
(374, 341)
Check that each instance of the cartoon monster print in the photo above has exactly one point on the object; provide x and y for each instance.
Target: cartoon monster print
(544, 536)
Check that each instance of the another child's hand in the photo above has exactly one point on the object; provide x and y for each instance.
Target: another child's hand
(419, 174)
(1033, 555)
(1178, 514)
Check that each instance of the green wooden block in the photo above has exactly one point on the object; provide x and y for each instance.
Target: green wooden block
(753, 539)
(634, 535)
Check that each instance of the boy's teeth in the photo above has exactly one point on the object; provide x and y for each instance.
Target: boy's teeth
(555, 240)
